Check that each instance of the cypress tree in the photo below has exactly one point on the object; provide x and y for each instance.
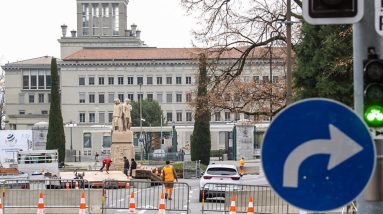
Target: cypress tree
(56, 136)
(200, 140)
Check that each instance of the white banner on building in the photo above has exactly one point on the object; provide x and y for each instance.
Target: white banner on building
(12, 141)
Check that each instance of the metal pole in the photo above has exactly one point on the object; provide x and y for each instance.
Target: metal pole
(71, 138)
(141, 139)
(288, 63)
(161, 134)
(364, 36)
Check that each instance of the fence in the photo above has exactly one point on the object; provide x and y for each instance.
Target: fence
(147, 195)
(191, 169)
(24, 194)
(217, 198)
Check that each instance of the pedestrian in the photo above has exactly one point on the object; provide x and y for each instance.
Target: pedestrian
(126, 166)
(169, 175)
(133, 166)
(106, 162)
(242, 166)
(182, 155)
(96, 157)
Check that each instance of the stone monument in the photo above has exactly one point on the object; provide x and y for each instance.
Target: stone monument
(122, 136)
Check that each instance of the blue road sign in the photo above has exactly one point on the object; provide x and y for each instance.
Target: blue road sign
(318, 155)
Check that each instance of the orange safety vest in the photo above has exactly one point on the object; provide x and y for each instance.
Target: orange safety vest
(168, 173)
(241, 162)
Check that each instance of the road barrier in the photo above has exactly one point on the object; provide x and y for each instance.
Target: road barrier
(21, 196)
(217, 197)
(147, 195)
(191, 169)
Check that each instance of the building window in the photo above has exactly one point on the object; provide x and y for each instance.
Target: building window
(179, 116)
(33, 82)
(188, 116)
(49, 98)
(31, 98)
(237, 116)
(121, 97)
(41, 98)
(256, 79)
(227, 116)
(178, 80)
(22, 112)
(106, 141)
(169, 98)
(246, 116)
(178, 98)
(188, 97)
(149, 97)
(26, 82)
(101, 117)
(92, 117)
(246, 78)
(275, 79)
(81, 97)
(111, 98)
(130, 97)
(265, 79)
(140, 80)
(159, 80)
(82, 117)
(87, 140)
(81, 81)
(101, 80)
(48, 82)
(101, 98)
(169, 80)
(44, 112)
(130, 80)
(91, 80)
(110, 117)
(169, 116)
(41, 81)
(91, 98)
(217, 116)
(188, 80)
(120, 80)
(227, 97)
(115, 18)
(140, 96)
(110, 80)
(85, 19)
(149, 80)
(21, 98)
(159, 98)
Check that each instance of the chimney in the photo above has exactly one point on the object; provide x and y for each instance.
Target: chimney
(134, 28)
(64, 27)
(73, 32)
(128, 32)
(138, 34)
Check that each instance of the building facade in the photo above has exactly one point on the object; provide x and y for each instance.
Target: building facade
(103, 61)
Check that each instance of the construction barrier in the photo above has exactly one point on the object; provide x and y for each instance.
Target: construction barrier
(21, 196)
(147, 196)
(219, 198)
(191, 169)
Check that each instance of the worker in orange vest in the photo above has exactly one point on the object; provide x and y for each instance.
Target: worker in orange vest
(169, 175)
(242, 166)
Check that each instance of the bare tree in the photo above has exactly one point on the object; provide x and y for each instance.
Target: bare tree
(246, 27)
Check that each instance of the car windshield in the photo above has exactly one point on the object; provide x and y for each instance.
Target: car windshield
(221, 171)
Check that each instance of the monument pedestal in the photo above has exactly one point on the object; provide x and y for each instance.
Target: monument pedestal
(122, 146)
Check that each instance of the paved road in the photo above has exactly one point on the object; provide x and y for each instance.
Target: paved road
(145, 197)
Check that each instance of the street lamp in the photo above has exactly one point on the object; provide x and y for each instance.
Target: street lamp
(71, 124)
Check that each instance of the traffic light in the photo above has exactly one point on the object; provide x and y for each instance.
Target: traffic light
(373, 90)
(333, 11)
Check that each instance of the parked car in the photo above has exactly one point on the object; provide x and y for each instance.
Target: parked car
(217, 179)
(159, 153)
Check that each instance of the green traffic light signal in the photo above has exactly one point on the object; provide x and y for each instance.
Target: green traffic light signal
(374, 116)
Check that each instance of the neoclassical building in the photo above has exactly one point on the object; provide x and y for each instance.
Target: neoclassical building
(104, 60)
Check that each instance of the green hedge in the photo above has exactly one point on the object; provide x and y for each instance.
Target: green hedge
(178, 167)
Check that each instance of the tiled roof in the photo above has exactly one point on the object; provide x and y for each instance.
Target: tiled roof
(159, 54)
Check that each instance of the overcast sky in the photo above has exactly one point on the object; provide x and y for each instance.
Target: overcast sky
(30, 28)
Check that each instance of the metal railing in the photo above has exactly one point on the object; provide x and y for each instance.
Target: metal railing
(216, 197)
(25, 193)
(191, 169)
(147, 195)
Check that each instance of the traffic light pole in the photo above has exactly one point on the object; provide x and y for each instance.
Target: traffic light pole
(365, 36)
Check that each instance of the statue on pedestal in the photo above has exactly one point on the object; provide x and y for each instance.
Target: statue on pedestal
(127, 120)
(117, 116)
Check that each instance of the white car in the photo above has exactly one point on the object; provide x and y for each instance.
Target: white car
(217, 179)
